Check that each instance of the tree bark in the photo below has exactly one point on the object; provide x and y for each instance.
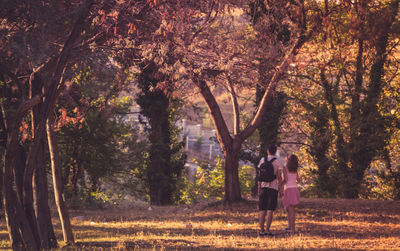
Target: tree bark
(341, 154)
(19, 168)
(58, 185)
(20, 232)
(232, 183)
(10, 207)
(43, 215)
(159, 170)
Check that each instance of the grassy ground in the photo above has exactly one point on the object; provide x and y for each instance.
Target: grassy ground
(322, 224)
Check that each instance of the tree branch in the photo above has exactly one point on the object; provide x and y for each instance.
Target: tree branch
(216, 114)
(25, 106)
(266, 99)
(235, 107)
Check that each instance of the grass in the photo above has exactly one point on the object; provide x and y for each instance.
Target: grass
(328, 224)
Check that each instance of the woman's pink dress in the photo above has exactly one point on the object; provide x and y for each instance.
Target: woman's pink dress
(291, 196)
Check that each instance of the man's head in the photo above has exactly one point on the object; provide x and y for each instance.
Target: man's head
(271, 150)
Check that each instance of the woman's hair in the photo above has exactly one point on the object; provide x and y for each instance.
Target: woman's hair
(292, 163)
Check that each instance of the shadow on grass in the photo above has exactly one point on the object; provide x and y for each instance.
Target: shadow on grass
(162, 245)
(141, 245)
(342, 231)
(85, 231)
(372, 216)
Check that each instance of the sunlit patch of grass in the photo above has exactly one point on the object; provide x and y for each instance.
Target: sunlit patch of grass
(321, 224)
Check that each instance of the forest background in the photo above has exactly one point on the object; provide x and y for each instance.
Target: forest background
(318, 78)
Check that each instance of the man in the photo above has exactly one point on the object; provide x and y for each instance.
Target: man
(268, 192)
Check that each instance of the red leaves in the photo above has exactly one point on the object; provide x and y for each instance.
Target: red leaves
(26, 131)
(63, 114)
(131, 28)
(65, 119)
(152, 3)
(23, 127)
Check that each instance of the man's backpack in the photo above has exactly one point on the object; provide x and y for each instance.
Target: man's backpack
(266, 171)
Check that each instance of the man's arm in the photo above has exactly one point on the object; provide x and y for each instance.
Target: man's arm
(259, 183)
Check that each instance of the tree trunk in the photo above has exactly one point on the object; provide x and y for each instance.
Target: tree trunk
(28, 200)
(58, 185)
(321, 140)
(39, 182)
(31, 188)
(19, 230)
(232, 184)
(43, 214)
(341, 154)
(9, 205)
(19, 168)
(159, 170)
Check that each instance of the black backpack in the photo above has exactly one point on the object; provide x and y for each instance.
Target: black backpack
(266, 171)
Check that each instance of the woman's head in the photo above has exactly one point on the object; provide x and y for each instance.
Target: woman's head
(292, 163)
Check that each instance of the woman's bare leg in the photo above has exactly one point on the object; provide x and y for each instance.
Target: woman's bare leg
(292, 218)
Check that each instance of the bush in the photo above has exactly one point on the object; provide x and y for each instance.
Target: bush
(210, 181)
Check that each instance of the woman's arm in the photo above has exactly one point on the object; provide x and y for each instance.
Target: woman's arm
(285, 176)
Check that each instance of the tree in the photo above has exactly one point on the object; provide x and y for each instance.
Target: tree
(58, 183)
(160, 109)
(42, 41)
(231, 144)
(25, 230)
(189, 46)
(350, 86)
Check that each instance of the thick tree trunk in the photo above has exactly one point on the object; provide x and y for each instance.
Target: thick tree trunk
(19, 167)
(160, 173)
(58, 185)
(232, 184)
(9, 205)
(30, 190)
(43, 214)
(28, 201)
(320, 142)
(19, 229)
(341, 154)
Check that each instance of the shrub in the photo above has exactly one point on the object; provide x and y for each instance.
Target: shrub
(210, 181)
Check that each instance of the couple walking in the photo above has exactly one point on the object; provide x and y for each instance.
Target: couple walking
(268, 191)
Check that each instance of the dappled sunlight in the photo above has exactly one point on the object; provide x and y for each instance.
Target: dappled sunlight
(321, 224)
